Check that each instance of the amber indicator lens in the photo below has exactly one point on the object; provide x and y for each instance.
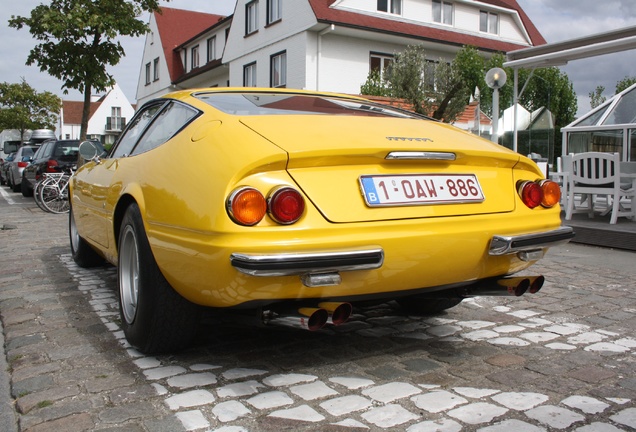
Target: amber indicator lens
(551, 193)
(247, 206)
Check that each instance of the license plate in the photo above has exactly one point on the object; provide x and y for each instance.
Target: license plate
(420, 189)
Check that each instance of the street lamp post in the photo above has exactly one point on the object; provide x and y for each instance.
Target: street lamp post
(495, 79)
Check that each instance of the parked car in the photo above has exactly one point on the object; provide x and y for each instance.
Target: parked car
(53, 156)
(4, 168)
(19, 163)
(297, 205)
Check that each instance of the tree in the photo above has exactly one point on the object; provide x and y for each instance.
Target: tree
(624, 84)
(23, 108)
(436, 88)
(77, 41)
(596, 97)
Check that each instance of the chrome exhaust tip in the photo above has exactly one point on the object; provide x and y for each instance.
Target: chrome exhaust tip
(305, 318)
(339, 313)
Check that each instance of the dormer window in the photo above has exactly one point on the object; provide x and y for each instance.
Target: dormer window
(443, 12)
(390, 6)
(488, 22)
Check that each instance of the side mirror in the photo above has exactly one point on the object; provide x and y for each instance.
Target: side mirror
(88, 151)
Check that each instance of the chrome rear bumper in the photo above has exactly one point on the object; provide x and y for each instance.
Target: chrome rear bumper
(301, 263)
(505, 245)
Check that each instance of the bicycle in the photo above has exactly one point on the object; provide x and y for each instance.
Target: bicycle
(52, 192)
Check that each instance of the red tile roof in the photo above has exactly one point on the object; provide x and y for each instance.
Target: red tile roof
(73, 110)
(177, 26)
(327, 15)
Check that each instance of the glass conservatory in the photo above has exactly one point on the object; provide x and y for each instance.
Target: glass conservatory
(610, 128)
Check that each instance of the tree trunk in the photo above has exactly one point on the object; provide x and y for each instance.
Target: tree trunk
(85, 112)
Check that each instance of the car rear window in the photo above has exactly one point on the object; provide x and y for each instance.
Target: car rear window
(255, 104)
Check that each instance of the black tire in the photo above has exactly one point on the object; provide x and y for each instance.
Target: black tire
(26, 190)
(428, 306)
(155, 318)
(83, 254)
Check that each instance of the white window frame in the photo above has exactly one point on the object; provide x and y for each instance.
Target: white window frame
(278, 69)
(446, 12)
(390, 6)
(194, 57)
(148, 73)
(274, 11)
(249, 75)
(385, 62)
(491, 20)
(155, 73)
(211, 48)
(251, 17)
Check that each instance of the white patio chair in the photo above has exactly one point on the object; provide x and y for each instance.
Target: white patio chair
(561, 176)
(594, 174)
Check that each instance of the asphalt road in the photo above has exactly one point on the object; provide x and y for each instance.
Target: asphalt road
(562, 359)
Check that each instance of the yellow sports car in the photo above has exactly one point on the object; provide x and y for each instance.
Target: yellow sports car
(297, 205)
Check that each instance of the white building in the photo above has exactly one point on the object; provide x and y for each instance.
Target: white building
(108, 116)
(328, 45)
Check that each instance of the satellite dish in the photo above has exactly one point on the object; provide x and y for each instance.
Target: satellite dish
(496, 78)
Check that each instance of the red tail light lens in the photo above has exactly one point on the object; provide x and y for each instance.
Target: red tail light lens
(246, 206)
(51, 166)
(551, 193)
(530, 193)
(286, 205)
(22, 164)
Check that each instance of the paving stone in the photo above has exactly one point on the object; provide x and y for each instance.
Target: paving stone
(438, 401)
(521, 401)
(246, 388)
(626, 417)
(190, 399)
(192, 380)
(352, 382)
(192, 420)
(506, 360)
(388, 416)
(273, 399)
(345, 405)
(591, 374)
(163, 372)
(441, 425)
(586, 404)
(553, 416)
(477, 413)
(302, 413)
(313, 391)
(512, 425)
(288, 379)
(390, 392)
(241, 373)
(598, 427)
(230, 411)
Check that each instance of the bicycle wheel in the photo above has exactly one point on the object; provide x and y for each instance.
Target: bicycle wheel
(54, 195)
(37, 192)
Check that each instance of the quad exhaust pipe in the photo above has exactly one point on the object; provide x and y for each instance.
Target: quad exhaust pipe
(512, 286)
(310, 318)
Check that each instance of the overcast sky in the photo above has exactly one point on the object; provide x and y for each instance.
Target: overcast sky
(557, 20)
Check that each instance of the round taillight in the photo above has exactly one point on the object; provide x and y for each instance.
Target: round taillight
(286, 205)
(246, 206)
(531, 194)
(551, 193)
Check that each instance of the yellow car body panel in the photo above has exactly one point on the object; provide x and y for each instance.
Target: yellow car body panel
(182, 186)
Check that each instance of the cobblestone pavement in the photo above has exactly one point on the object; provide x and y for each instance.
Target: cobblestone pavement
(562, 359)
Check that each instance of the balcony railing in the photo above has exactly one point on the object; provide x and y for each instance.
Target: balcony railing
(115, 124)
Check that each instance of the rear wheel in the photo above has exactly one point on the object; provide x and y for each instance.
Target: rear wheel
(83, 255)
(155, 318)
(428, 306)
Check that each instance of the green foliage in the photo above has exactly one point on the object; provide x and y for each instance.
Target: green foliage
(23, 108)
(375, 85)
(408, 77)
(596, 97)
(77, 40)
(624, 84)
